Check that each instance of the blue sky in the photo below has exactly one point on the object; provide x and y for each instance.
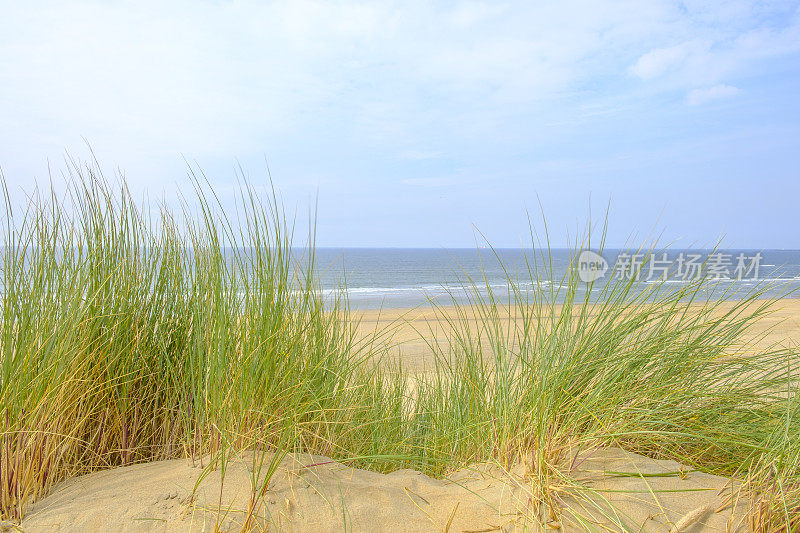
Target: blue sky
(415, 122)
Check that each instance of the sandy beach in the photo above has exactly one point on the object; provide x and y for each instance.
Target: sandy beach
(314, 493)
(414, 328)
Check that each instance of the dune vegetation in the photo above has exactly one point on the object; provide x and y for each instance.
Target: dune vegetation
(132, 334)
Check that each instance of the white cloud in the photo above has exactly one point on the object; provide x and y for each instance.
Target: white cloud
(718, 51)
(659, 61)
(707, 94)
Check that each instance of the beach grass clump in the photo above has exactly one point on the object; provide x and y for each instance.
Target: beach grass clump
(131, 336)
(549, 368)
(774, 478)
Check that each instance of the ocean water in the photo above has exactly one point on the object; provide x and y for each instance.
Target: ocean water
(403, 277)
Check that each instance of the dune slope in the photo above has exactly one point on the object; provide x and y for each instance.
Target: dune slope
(314, 493)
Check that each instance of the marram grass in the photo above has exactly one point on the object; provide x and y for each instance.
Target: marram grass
(129, 336)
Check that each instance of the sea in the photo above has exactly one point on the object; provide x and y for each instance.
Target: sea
(409, 277)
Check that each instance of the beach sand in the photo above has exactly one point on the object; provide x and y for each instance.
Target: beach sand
(313, 493)
(414, 328)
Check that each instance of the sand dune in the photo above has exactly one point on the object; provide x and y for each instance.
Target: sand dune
(313, 493)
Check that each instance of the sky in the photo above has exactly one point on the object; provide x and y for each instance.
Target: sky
(425, 124)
